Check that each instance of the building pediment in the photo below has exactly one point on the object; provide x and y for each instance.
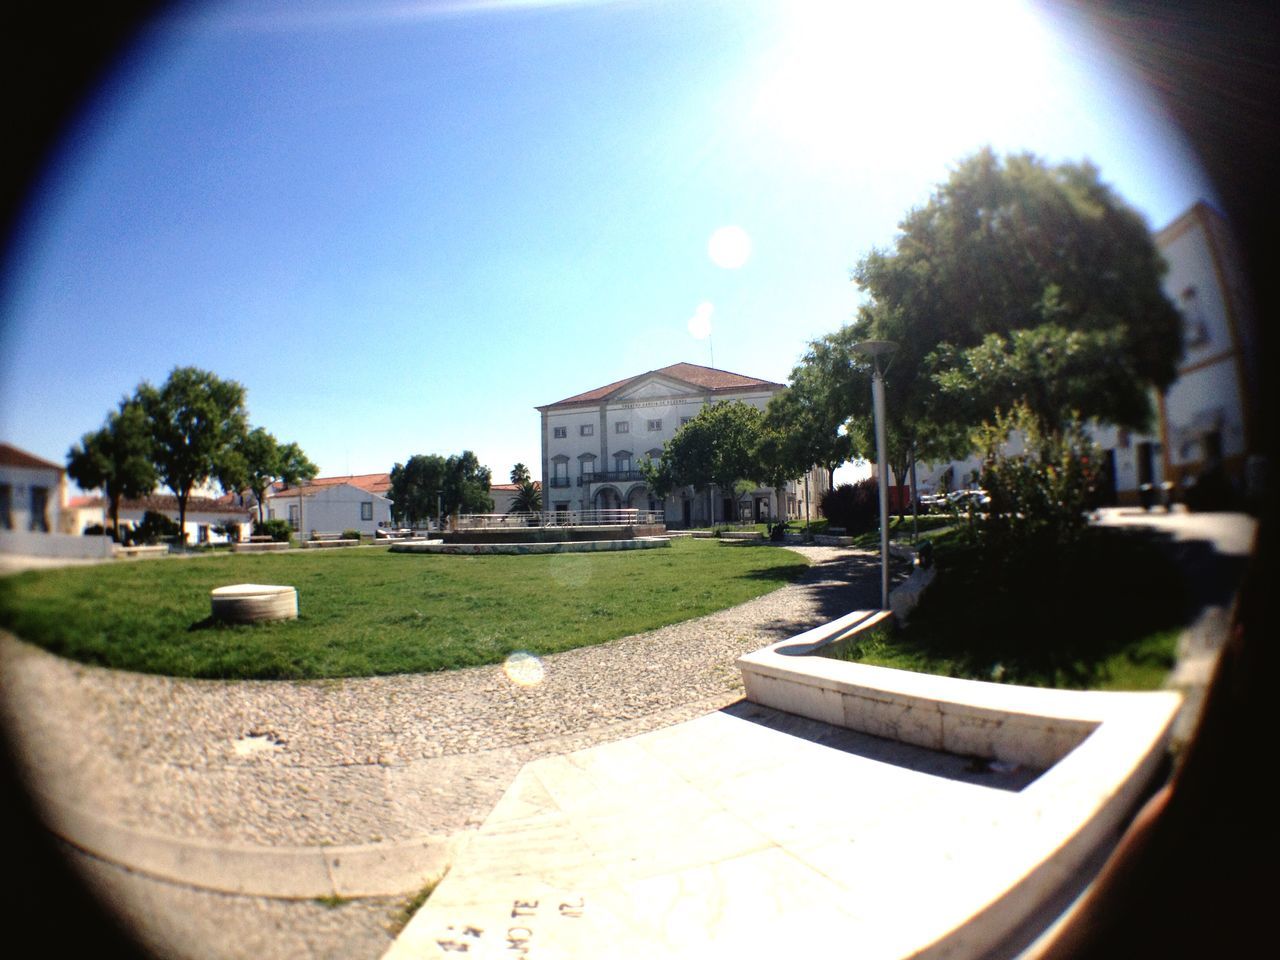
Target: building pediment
(657, 387)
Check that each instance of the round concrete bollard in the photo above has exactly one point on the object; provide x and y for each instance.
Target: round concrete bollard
(254, 602)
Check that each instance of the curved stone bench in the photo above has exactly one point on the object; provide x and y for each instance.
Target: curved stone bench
(1099, 751)
(268, 547)
(254, 603)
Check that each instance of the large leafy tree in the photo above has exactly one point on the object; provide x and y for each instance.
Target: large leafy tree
(259, 460)
(197, 422)
(717, 448)
(1021, 282)
(416, 486)
(466, 485)
(116, 457)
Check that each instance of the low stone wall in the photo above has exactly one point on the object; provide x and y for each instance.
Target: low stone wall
(32, 544)
(555, 534)
(157, 550)
(320, 544)
(1099, 751)
(271, 547)
(569, 546)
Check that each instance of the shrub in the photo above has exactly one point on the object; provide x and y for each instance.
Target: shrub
(854, 506)
(154, 528)
(350, 534)
(1041, 496)
(278, 530)
(230, 530)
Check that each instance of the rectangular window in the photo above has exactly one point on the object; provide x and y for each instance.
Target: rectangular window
(622, 426)
(655, 425)
(587, 430)
(295, 517)
(6, 507)
(366, 510)
(39, 509)
(560, 433)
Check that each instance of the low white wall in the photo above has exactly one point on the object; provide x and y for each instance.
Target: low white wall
(33, 544)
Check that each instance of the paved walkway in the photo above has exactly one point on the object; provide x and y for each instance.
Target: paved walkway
(379, 763)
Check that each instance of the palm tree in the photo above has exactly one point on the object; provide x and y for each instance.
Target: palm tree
(520, 474)
(528, 498)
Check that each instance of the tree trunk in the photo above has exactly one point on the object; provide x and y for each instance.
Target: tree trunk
(115, 515)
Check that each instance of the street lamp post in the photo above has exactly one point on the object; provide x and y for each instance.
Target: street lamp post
(875, 349)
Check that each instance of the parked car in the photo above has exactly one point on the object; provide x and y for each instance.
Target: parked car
(975, 499)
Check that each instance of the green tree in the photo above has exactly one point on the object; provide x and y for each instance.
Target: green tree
(117, 458)
(520, 474)
(528, 498)
(1021, 282)
(259, 460)
(717, 448)
(416, 486)
(466, 485)
(197, 421)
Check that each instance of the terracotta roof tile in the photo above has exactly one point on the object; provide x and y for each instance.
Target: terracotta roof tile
(378, 483)
(11, 456)
(705, 378)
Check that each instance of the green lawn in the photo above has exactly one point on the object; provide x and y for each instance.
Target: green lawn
(368, 611)
(1106, 616)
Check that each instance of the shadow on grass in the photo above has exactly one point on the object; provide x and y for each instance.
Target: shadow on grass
(1065, 618)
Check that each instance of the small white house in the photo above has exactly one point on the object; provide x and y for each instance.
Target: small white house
(32, 491)
(329, 508)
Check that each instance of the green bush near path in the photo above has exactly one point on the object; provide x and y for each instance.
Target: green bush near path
(1104, 614)
(369, 612)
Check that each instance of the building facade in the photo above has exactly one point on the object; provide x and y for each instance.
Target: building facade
(1207, 417)
(32, 491)
(593, 444)
(332, 505)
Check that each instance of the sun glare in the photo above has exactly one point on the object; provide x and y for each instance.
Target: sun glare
(700, 322)
(848, 82)
(729, 247)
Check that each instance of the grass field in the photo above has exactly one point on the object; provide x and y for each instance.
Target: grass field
(1106, 616)
(367, 611)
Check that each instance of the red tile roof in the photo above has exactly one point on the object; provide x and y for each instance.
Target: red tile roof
(11, 456)
(378, 483)
(704, 378)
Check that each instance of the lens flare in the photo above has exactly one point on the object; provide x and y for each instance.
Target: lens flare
(523, 669)
(729, 247)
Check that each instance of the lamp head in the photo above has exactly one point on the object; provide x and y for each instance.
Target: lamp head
(875, 349)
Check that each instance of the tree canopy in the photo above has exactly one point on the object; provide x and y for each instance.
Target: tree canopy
(1021, 282)
(116, 457)
(197, 421)
(428, 483)
(415, 487)
(466, 485)
(258, 460)
(717, 448)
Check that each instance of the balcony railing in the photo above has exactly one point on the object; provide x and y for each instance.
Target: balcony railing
(559, 518)
(609, 476)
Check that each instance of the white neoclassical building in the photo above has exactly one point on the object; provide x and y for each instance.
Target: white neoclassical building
(593, 443)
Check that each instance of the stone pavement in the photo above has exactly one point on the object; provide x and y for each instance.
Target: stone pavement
(179, 771)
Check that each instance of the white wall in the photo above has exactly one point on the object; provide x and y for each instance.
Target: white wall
(21, 481)
(31, 544)
(332, 509)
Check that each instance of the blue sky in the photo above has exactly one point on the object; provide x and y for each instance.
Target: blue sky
(402, 225)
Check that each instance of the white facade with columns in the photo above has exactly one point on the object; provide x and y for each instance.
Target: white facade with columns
(593, 443)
